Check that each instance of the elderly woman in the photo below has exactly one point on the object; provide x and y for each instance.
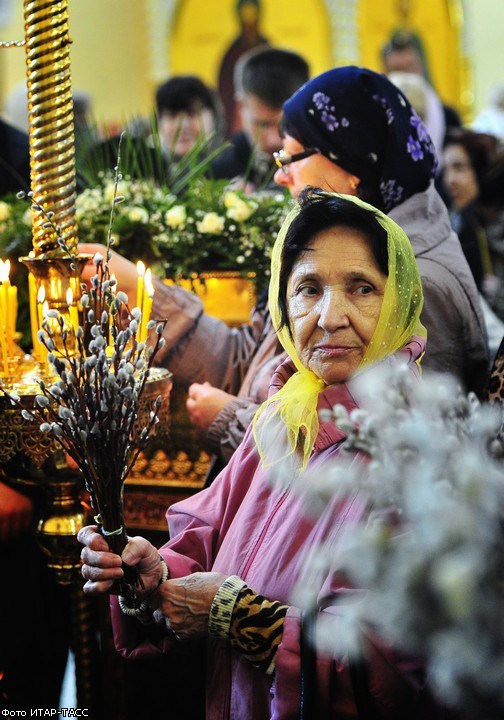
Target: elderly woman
(349, 130)
(345, 293)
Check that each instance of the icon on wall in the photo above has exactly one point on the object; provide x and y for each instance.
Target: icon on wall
(249, 16)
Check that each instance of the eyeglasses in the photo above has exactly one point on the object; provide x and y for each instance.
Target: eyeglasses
(282, 160)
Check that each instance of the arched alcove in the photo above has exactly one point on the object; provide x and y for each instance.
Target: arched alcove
(191, 36)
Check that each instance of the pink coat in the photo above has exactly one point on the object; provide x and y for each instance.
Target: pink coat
(244, 525)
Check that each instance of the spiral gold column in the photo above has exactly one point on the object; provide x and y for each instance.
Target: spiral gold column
(50, 107)
(52, 171)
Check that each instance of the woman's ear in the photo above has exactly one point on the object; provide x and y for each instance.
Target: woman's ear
(354, 183)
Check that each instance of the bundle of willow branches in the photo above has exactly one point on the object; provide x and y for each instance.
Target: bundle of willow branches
(92, 407)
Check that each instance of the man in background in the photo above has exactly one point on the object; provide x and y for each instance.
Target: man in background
(265, 78)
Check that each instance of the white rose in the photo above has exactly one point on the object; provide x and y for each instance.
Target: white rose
(212, 224)
(240, 212)
(28, 217)
(138, 214)
(231, 199)
(176, 216)
(4, 211)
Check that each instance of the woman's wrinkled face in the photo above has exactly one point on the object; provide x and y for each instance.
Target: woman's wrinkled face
(315, 170)
(459, 177)
(334, 297)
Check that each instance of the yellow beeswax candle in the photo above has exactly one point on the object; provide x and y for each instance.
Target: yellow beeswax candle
(32, 297)
(72, 310)
(140, 284)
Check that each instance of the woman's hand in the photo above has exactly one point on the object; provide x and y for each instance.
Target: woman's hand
(186, 602)
(101, 568)
(124, 270)
(204, 404)
(16, 512)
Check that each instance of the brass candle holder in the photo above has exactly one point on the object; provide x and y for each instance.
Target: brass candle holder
(26, 456)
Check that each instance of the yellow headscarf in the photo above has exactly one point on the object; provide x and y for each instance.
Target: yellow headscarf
(295, 404)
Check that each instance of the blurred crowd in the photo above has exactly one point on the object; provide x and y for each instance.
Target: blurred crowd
(189, 121)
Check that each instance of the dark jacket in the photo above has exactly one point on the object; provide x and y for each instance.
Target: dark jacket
(239, 160)
(14, 160)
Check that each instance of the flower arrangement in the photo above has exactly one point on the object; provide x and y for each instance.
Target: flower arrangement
(208, 227)
(90, 405)
(431, 554)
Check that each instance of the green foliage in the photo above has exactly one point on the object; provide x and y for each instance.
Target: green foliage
(207, 228)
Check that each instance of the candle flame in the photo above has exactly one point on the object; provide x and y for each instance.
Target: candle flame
(4, 270)
(41, 294)
(148, 283)
(69, 296)
(140, 268)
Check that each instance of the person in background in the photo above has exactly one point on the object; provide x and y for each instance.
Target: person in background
(264, 78)
(404, 52)
(15, 113)
(425, 101)
(491, 118)
(345, 293)
(467, 158)
(188, 114)
(186, 110)
(14, 159)
(249, 17)
(492, 208)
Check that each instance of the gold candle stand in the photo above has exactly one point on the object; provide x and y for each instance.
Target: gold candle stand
(26, 457)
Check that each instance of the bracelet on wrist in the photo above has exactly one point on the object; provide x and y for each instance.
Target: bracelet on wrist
(142, 611)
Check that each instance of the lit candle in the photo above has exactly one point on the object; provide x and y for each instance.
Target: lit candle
(5, 298)
(3, 308)
(13, 306)
(4, 351)
(146, 306)
(110, 343)
(4, 345)
(140, 284)
(42, 310)
(40, 306)
(72, 310)
(32, 296)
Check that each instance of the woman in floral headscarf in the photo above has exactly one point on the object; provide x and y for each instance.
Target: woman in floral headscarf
(351, 130)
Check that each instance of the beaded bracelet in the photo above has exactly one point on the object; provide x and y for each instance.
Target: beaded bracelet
(143, 612)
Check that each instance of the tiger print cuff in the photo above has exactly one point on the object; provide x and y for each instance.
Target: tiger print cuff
(256, 628)
(221, 611)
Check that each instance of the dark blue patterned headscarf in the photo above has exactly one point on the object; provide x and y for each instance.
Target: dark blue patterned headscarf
(358, 119)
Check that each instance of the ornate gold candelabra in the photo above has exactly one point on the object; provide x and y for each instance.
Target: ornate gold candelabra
(26, 456)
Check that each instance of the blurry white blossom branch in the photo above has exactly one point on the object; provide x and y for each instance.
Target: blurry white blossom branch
(430, 554)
